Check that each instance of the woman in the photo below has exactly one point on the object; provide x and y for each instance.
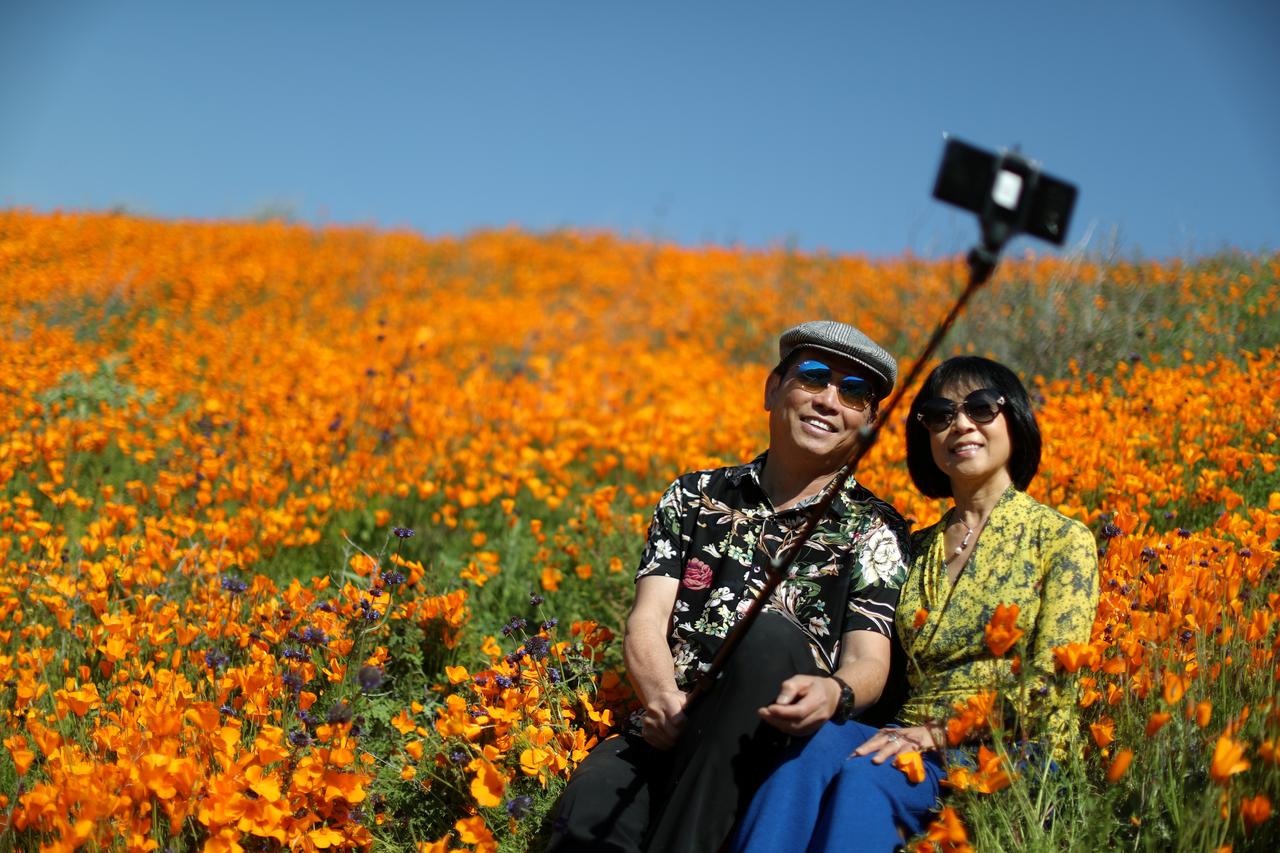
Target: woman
(971, 436)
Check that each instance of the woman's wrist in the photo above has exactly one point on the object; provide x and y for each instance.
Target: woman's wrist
(925, 737)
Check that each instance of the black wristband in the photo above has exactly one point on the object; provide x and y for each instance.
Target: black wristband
(846, 703)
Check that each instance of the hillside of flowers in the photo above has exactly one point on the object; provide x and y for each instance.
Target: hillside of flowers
(323, 538)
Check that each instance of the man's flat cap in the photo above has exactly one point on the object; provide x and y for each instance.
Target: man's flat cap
(847, 342)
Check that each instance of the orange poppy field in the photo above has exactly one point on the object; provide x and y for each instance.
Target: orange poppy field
(322, 538)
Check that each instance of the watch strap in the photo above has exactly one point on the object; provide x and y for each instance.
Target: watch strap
(845, 705)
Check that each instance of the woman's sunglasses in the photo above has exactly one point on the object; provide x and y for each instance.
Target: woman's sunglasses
(855, 392)
(981, 407)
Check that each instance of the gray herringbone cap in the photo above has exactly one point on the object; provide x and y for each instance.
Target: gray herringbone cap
(843, 340)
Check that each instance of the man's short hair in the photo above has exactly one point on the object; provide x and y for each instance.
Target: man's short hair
(971, 371)
(845, 341)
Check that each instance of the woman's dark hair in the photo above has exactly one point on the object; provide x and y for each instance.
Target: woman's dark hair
(973, 372)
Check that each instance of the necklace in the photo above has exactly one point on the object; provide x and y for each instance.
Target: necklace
(968, 534)
(964, 543)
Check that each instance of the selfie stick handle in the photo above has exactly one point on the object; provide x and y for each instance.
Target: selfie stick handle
(982, 262)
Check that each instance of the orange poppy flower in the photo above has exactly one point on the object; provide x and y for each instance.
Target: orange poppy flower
(1002, 631)
(912, 766)
(1228, 760)
(1255, 810)
(1119, 765)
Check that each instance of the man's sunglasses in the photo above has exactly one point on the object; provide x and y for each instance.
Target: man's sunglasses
(855, 392)
(981, 407)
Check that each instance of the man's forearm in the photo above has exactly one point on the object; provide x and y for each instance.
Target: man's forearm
(649, 663)
(867, 678)
(864, 665)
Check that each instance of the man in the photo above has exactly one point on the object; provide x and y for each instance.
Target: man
(821, 648)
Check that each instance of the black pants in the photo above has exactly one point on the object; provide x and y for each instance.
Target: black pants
(628, 796)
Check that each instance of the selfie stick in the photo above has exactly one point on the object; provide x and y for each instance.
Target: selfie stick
(1000, 220)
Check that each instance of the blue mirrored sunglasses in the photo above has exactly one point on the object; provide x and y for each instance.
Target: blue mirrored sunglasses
(855, 392)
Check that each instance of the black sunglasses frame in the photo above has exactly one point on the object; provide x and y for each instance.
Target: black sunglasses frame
(982, 407)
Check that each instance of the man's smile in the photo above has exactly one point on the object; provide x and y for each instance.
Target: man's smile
(819, 423)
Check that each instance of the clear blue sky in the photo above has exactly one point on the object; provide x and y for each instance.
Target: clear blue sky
(817, 124)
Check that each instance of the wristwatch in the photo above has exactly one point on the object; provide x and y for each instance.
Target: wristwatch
(844, 706)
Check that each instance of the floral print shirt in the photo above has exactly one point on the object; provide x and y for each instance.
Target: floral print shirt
(716, 531)
(1028, 555)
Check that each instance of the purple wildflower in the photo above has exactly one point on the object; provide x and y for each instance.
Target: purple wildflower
(370, 678)
(519, 806)
(313, 636)
(538, 647)
(235, 586)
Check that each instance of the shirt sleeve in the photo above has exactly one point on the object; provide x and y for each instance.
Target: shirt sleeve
(663, 547)
(1068, 604)
(879, 569)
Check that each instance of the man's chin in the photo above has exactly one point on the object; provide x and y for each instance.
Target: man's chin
(828, 454)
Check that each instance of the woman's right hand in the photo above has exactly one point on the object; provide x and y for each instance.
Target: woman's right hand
(887, 743)
(664, 719)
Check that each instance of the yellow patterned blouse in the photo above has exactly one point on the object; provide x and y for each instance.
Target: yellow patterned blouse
(1028, 555)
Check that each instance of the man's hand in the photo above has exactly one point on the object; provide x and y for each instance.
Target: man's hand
(664, 719)
(804, 703)
(649, 663)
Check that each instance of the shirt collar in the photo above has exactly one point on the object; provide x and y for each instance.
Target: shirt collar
(751, 471)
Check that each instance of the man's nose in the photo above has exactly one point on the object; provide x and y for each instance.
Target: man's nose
(829, 396)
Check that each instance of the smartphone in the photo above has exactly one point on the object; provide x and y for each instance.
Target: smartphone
(1005, 187)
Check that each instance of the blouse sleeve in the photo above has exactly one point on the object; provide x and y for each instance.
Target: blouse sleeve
(1068, 604)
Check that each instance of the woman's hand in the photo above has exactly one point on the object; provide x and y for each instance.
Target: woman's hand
(664, 719)
(887, 743)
